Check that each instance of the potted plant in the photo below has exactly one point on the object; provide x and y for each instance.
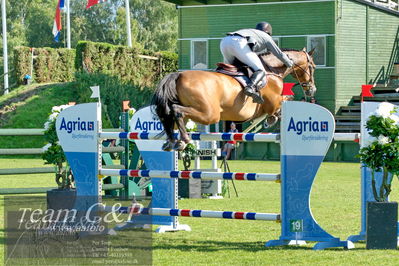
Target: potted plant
(381, 155)
(64, 196)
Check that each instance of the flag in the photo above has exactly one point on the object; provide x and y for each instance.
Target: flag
(366, 91)
(287, 89)
(95, 92)
(57, 20)
(93, 2)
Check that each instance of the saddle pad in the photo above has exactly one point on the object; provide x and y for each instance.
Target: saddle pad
(233, 71)
(242, 79)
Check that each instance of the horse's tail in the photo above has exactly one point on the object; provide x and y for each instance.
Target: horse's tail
(165, 96)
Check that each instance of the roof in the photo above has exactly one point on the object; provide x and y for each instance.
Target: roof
(200, 2)
(390, 6)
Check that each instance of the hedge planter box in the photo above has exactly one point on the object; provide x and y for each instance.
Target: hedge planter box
(61, 199)
(382, 225)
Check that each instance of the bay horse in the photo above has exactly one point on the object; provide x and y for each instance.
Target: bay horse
(207, 97)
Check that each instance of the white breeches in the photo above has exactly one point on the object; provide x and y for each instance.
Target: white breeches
(237, 47)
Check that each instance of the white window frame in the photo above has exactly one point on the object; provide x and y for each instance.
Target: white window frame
(277, 39)
(192, 52)
(325, 47)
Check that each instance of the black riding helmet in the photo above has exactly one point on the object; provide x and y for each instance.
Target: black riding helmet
(264, 26)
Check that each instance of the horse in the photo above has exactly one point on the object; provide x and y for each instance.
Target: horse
(207, 97)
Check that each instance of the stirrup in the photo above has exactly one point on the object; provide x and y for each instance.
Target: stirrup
(254, 95)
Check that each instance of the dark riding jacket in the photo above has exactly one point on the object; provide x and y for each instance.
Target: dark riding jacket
(261, 42)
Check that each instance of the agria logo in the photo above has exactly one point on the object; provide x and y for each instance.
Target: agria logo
(77, 125)
(307, 126)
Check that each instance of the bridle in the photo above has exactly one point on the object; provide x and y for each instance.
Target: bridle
(305, 85)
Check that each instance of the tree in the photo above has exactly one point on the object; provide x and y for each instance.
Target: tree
(153, 23)
(157, 24)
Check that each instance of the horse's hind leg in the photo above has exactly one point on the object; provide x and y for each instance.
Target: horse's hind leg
(184, 139)
(170, 140)
(205, 117)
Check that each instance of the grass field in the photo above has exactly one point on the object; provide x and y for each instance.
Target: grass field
(335, 202)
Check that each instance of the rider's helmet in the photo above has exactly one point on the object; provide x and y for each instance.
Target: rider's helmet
(264, 26)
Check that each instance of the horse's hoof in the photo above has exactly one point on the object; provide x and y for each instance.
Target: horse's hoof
(288, 98)
(179, 145)
(167, 146)
(271, 120)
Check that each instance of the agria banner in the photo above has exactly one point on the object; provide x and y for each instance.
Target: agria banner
(77, 130)
(307, 127)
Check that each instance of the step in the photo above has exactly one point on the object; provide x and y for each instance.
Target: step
(349, 124)
(350, 108)
(389, 94)
(377, 99)
(387, 88)
(347, 117)
(347, 129)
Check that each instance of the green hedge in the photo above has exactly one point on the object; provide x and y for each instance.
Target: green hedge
(22, 63)
(49, 65)
(122, 73)
(134, 65)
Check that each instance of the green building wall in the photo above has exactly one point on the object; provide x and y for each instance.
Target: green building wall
(366, 47)
(292, 23)
(361, 46)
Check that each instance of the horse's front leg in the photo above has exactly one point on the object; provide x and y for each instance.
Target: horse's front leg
(271, 120)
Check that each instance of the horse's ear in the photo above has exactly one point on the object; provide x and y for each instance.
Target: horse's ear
(311, 51)
(304, 49)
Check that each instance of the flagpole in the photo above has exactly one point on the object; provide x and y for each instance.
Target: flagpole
(5, 51)
(128, 29)
(68, 25)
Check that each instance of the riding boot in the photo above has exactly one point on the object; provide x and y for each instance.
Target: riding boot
(252, 89)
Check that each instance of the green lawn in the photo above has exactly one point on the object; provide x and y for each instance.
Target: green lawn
(335, 204)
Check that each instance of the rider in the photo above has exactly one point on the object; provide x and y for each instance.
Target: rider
(246, 45)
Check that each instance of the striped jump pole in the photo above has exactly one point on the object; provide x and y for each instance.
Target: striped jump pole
(244, 137)
(195, 213)
(191, 175)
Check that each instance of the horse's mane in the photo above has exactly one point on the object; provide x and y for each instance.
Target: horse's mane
(283, 49)
(273, 61)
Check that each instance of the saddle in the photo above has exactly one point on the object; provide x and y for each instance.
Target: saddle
(239, 72)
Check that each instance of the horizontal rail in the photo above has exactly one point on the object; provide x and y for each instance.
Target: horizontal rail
(31, 190)
(38, 131)
(191, 175)
(21, 132)
(112, 186)
(20, 151)
(250, 137)
(195, 213)
(21, 171)
(347, 137)
(247, 137)
(113, 149)
(113, 130)
(114, 166)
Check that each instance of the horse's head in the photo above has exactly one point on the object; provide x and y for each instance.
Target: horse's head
(303, 72)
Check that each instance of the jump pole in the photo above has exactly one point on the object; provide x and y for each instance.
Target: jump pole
(306, 134)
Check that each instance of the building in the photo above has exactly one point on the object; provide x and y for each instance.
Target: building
(356, 41)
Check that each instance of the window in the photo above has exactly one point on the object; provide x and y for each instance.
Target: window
(319, 44)
(277, 41)
(199, 54)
